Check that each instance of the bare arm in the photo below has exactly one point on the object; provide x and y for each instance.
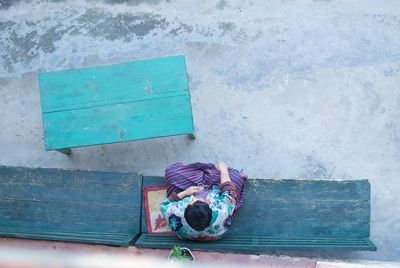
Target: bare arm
(223, 169)
(188, 192)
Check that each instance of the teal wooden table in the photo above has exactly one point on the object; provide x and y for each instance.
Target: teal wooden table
(116, 103)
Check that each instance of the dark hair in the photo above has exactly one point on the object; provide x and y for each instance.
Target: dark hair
(198, 215)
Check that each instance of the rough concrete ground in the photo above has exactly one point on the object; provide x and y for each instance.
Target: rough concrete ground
(63, 253)
(46, 254)
(282, 89)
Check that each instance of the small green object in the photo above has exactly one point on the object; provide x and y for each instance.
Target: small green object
(288, 215)
(178, 253)
(116, 103)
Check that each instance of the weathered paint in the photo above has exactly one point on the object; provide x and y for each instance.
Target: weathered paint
(66, 205)
(289, 214)
(117, 103)
(258, 243)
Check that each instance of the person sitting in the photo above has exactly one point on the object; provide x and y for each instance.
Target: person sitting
(202, 199)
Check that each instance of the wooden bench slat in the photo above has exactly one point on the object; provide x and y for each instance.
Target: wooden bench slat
(81, 237)
(308, 210)
(105, 85)
(71, 186)
(309, 190)
(256, 244)
(118, 123)
(282, 228)
(67, 216)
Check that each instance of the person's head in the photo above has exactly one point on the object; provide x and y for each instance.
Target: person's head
(198, 215)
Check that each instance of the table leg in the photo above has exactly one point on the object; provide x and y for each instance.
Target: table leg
(66, 151)
(192, 136)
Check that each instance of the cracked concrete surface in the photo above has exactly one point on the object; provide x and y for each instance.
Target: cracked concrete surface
(282, 89)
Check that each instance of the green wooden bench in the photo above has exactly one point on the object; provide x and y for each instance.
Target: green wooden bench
(77, 206)
(116, 103)
(106, 208)
(288, 215)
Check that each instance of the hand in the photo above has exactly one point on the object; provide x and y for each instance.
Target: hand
(221, 166)
(192, 190)
(189, 191)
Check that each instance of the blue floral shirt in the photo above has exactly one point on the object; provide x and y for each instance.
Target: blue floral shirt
(222, 205)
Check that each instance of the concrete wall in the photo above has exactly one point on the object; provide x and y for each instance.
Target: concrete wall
(282, 89)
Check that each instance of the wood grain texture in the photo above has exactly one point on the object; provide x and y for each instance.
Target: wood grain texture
(116, 103)
(257, 244)
(285, 214)
(79, 206)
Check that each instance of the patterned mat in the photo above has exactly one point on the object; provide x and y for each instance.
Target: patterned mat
(153, 197)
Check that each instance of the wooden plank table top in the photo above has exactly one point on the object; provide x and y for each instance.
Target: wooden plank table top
(116, 103)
